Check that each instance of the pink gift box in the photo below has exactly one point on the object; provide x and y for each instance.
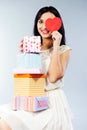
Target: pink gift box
(32, 104)
(16, 103)
(28, 71)
(35, 103)
(32, 44)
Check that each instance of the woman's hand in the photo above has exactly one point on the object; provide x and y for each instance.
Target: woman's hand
(21, 45)
(56, 36)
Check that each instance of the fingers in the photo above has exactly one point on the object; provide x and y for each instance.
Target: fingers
(56, 36)
(21, 45)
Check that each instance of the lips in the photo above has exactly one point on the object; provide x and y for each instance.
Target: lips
(44, 31)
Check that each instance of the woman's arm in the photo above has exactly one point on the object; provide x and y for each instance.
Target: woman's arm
(58, 62)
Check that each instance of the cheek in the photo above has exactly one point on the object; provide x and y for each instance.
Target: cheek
(38, 28)
(38, 25)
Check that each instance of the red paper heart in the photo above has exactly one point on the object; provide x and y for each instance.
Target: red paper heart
(53, 24)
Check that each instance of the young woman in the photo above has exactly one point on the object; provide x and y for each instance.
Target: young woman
(55, 58)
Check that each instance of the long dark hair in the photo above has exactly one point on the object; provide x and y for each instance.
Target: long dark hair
(57, 14)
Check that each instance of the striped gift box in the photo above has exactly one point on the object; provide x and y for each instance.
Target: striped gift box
(32, 104)
(29, 84)
(29, 61)
(36, 103)
(16, 103)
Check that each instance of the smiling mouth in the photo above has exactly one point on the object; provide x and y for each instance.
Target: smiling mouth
(45, 31)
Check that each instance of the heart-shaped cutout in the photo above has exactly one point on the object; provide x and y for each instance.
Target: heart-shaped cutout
(53, 24)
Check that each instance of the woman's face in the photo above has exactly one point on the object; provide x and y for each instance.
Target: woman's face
(41, 24)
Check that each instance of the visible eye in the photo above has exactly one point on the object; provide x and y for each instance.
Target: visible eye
(40, 21)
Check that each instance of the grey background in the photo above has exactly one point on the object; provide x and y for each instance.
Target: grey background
(16, 21)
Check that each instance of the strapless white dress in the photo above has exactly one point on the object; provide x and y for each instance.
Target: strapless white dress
(57, 117)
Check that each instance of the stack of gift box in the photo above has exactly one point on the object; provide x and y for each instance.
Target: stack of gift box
(29, 77)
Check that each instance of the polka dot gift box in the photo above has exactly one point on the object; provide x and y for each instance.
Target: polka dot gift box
(32, 44)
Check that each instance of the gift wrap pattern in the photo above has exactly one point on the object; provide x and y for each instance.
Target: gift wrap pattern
(32, 44)
(30, 103)
(29, 84)
(30, 61)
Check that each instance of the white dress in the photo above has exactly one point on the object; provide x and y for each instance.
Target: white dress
(57, 117)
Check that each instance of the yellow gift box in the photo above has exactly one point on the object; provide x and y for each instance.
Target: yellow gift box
(29, 84)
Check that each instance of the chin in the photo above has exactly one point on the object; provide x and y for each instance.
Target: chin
(46, 35)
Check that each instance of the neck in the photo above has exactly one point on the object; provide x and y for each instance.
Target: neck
(46, 43)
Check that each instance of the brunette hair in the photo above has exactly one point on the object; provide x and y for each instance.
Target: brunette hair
(57, 14)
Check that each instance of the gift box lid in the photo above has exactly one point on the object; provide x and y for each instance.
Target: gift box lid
(29, 76)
